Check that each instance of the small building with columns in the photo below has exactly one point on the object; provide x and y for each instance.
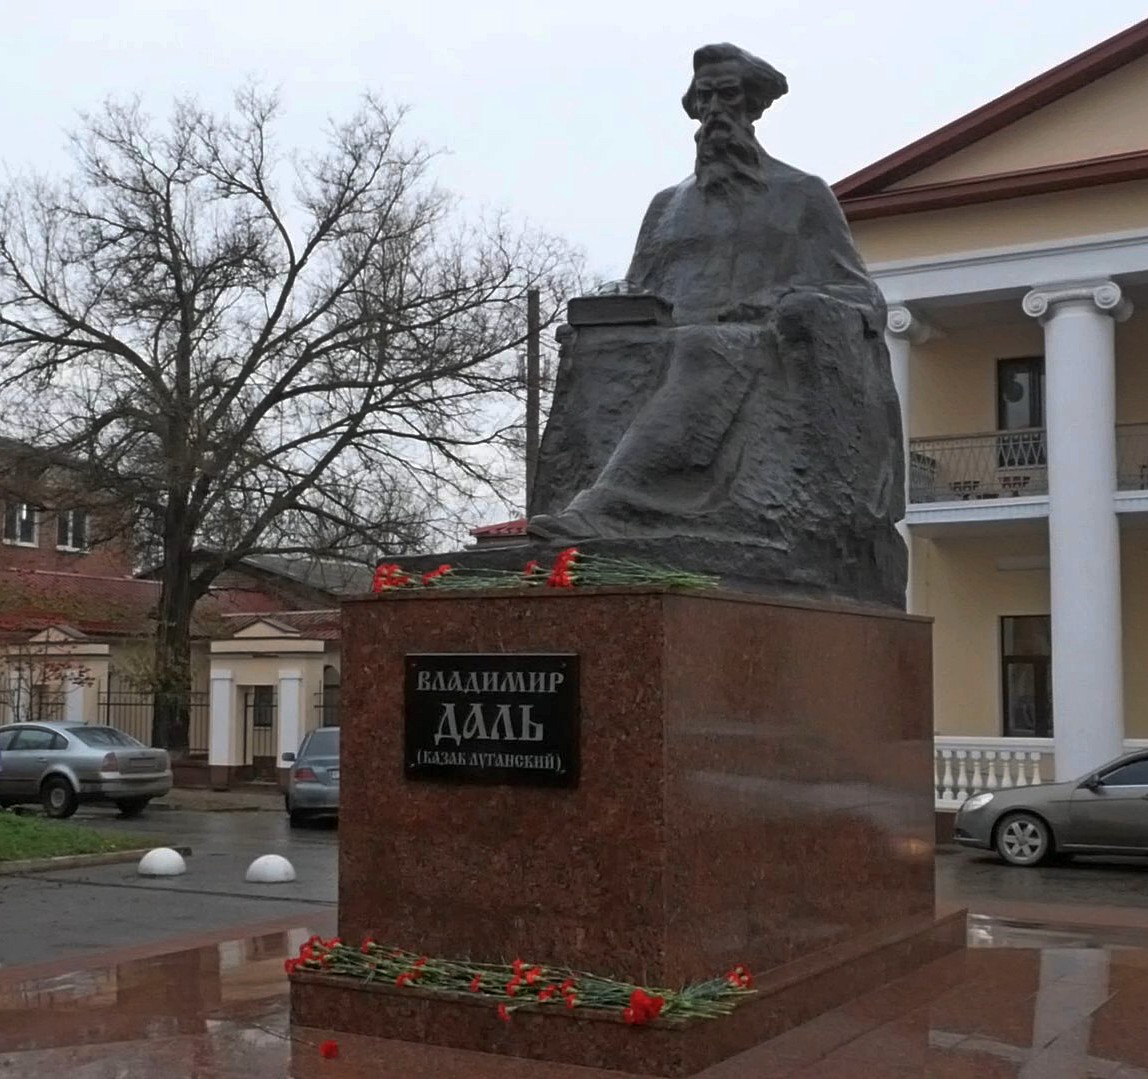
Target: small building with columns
(1012, 248)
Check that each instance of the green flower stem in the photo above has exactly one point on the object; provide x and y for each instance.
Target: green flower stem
(379, 963)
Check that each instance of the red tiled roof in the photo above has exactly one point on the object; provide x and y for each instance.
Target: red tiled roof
(317, 625)
(33, 600)
(517, 527)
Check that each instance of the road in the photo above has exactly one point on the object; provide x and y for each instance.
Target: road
(981, 881)
(70, 913)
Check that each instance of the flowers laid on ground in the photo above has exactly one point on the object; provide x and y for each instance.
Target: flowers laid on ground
(521, 984)
(329, 1050)
(571, 568)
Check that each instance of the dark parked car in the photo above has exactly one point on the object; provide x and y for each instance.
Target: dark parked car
(1104, 812)
(313, 782)
(63, 765)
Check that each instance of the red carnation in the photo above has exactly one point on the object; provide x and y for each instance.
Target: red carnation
(643, 1008)
(504, 1013)
(560, 575)
(366, 946)
(402, 979)
(435, 574)
(388, 575)
(740, 977)
(532, 569)
(547, 992)
(517, 966)
(328, 1050)
(475, 983)
(533, 975)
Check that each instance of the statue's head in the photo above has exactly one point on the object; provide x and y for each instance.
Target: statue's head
(729, 91)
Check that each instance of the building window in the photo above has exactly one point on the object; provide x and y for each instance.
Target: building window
(263, 706)
(1020, 409)
(72, 530)
(20, 523)
(1026, 676)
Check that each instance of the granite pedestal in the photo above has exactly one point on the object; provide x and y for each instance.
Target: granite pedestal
(755, 787)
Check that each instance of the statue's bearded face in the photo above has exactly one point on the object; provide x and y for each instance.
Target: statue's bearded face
(727, 150)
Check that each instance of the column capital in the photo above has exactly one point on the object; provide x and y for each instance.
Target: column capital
(902, 323)
(1106, 296)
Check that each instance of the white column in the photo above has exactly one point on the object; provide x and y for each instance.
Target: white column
(1083, 534)
(290, 713)
(221, 720)
(73, 701)
(903, 330)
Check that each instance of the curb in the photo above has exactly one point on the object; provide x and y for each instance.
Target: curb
(277, 808)
(79, 861)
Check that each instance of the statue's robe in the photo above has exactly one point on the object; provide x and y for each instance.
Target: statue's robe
(765, 413)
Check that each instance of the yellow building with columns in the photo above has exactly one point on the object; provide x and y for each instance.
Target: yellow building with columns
(1012, 248)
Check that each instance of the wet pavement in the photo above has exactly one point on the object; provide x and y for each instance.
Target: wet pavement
(103, 974)
(1024, 1003)
(76, 912)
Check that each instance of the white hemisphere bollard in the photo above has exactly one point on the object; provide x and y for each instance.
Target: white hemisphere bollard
(270, 869)
(162, 862)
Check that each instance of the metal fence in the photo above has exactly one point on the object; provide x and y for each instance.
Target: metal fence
(260, 734)
(1132, 457)
(327, 707)
(1001, 465)
(32, 704)
(134, 712)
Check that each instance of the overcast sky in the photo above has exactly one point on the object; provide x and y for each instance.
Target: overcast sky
(566, 113)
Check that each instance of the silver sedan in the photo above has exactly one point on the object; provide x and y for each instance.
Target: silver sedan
(63, 765)
(1104, 812)
(313, 782)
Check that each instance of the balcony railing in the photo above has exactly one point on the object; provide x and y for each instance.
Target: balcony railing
(1132, 457)
(999, 465)
(962, 765)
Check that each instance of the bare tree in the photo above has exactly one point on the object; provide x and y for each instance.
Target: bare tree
(259, 352)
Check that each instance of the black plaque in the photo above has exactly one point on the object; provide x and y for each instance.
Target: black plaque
(492, 718)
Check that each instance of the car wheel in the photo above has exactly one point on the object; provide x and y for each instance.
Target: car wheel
(1024, 839)
(296, 818)
(58, 797)
(132, 807)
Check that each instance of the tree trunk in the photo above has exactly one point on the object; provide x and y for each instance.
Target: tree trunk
(171, 714)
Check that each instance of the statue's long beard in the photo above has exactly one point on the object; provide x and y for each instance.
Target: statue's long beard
(728, 155)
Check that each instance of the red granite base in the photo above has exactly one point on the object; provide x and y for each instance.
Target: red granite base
(756, 785)
(787, 997)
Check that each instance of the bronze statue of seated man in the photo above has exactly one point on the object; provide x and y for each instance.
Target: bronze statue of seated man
(749, 399)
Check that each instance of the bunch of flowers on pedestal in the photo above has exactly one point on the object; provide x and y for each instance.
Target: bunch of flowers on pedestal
(572, 568)
(518, 984)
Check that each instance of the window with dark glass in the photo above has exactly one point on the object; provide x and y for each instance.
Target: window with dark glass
(1026, 676)
(72, 530)
(1020, 410)
(263, 706)
(1132, 774)
(38, 739)
(19, 523)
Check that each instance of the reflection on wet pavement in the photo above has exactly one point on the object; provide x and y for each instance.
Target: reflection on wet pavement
(1023, 1002)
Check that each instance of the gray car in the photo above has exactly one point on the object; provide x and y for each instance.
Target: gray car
(64, 765)
(313, 782)
(1104, 812)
